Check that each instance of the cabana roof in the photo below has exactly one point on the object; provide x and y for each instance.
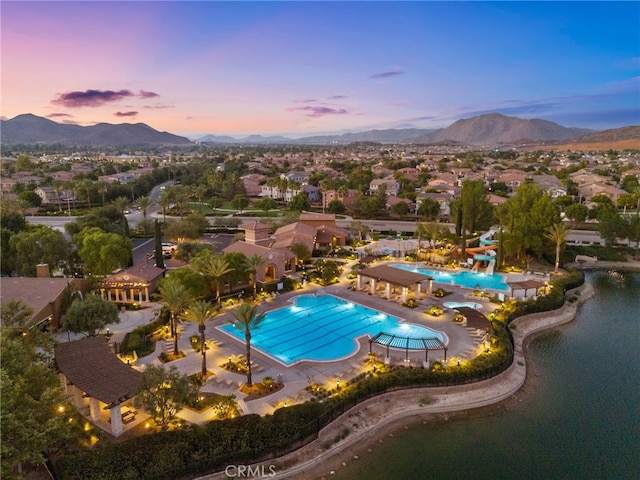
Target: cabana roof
(475, 319)
(90, 365)
(395, 276)
(526, 285)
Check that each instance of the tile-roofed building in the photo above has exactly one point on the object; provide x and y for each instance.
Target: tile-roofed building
(133, 285)
(44, 295)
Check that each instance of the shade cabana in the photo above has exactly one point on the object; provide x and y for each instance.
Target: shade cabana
(394, 277)
(475, 319)
(90, 370)
(526, 286)
(407, 343)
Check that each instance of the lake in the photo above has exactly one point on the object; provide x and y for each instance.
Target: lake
(581, 421)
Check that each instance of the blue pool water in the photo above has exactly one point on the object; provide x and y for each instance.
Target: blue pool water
(323, 328)
(463, 278)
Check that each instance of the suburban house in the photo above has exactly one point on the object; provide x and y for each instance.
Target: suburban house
(46, 296)
(390, 185)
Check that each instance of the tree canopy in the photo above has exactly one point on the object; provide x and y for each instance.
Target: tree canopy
(32, 418)
(90, 315)
(163, 392)
(101, 252)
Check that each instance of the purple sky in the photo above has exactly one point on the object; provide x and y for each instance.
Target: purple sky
(301, 68)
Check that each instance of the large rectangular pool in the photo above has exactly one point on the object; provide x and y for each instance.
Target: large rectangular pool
(323, 328)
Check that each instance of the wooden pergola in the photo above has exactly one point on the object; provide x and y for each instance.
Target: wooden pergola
(527, 285)
(394, 277)
(89, 370)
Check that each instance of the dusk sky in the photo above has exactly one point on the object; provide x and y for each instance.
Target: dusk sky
(306, 68)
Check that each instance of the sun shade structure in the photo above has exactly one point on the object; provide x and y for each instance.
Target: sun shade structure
(408, 343)
(527, 285)
(90, 370)
(475, 319)
(395, 276)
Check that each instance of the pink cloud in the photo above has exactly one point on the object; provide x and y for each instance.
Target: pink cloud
(59, 115)
(126, 114)
(145, 94)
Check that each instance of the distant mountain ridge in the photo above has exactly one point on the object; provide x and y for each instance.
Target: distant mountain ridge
(490, 130)
(496, 129)
(31, 129)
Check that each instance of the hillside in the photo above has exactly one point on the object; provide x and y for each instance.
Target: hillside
(496, 129)
(31, 129)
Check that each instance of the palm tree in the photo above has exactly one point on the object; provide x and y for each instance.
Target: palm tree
(102, 188)
(121, 204)
(420, 233)
(86, 185)
(175, 296)
(216, 267)
(253, 264)
(557, 233)
(58, 188)
(201, 312)
(199, 192)
(246, 318)
(164, 201)
(143, 204)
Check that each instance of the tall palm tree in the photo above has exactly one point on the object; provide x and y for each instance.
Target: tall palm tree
(164, 201)
(58, 188)
(201, 312)
(121, 204)
(175, 296)
(246, 318)
(86, 185)
(557, 233)
(144, 203)
(215, 267)
(253, 264)
(103, 188)
(420, 233)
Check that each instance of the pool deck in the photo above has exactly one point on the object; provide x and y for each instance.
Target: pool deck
(464, 343)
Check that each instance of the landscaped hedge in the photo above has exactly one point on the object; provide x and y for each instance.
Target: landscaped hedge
(134, 340)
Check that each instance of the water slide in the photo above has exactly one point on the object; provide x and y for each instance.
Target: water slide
(486, 252)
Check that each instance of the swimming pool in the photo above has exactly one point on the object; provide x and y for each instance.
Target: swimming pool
(463, 278)
(324, 328)
(475, 306)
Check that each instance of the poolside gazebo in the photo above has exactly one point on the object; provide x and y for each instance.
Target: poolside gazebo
(394, 277)
(407, 343)
(92, 376)
(525, 287)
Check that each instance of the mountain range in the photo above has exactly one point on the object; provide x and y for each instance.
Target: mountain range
(487, 130)
(30, 129)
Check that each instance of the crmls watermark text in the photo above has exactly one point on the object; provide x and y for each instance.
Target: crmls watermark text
(248, 471)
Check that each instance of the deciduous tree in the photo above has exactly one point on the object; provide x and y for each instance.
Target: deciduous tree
(90, 315)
